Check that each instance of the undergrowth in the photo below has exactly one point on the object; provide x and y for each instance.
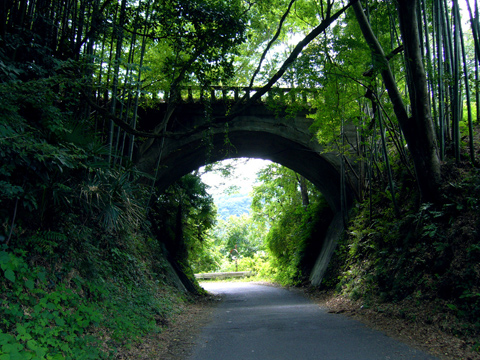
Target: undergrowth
(82, 276)
(428, 255)
(93, 306)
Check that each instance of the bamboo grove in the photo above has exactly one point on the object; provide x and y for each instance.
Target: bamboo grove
(104, 59)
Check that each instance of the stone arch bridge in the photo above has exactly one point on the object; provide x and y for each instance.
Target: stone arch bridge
(199, 132)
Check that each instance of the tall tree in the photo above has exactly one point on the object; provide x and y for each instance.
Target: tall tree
(418, 129)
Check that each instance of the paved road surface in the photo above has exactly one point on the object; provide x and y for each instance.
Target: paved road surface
(258, 322)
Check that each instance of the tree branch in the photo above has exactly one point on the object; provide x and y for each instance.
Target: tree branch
(152, 135)
(275, 37)
(371, 72)
(293, 56)
(381, 63)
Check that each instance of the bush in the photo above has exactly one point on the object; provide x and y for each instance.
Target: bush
(41, 319)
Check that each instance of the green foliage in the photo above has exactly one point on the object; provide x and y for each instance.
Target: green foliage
(275, 194)
(32, 161)
(113, 197)
(182, 215)
(42, 319)
(49, 167)
(259, 264)
(76, 251)
(415, 257)
(77, 264)
(235, 240)
(198, 42)
(207, 256)
(238, 237)
(289, 241)
(65, 313)
(279, 206)
(181, 218)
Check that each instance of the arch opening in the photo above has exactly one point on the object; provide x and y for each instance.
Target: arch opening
(258, 133)
(317, 168)
(284, 230)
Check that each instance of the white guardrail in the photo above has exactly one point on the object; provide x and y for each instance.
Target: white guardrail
(224, 275)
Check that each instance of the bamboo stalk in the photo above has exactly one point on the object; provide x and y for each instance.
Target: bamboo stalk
(441, 88)
(456, 88)
(387, 164)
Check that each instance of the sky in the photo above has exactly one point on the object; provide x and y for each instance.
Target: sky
(244, 175)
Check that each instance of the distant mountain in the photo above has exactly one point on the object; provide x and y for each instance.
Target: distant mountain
(235, 204)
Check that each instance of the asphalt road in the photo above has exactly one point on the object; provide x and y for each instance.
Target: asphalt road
(268, 323)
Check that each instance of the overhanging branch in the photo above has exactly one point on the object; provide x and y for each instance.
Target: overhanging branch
(151, 135)
(293, 56)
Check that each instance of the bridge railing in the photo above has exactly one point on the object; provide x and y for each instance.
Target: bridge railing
(191, 94)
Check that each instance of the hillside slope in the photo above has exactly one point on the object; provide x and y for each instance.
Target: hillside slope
(421, 267)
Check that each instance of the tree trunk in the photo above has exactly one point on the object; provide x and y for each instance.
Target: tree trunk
(421, 139)
(418, 130)
(302, 182)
